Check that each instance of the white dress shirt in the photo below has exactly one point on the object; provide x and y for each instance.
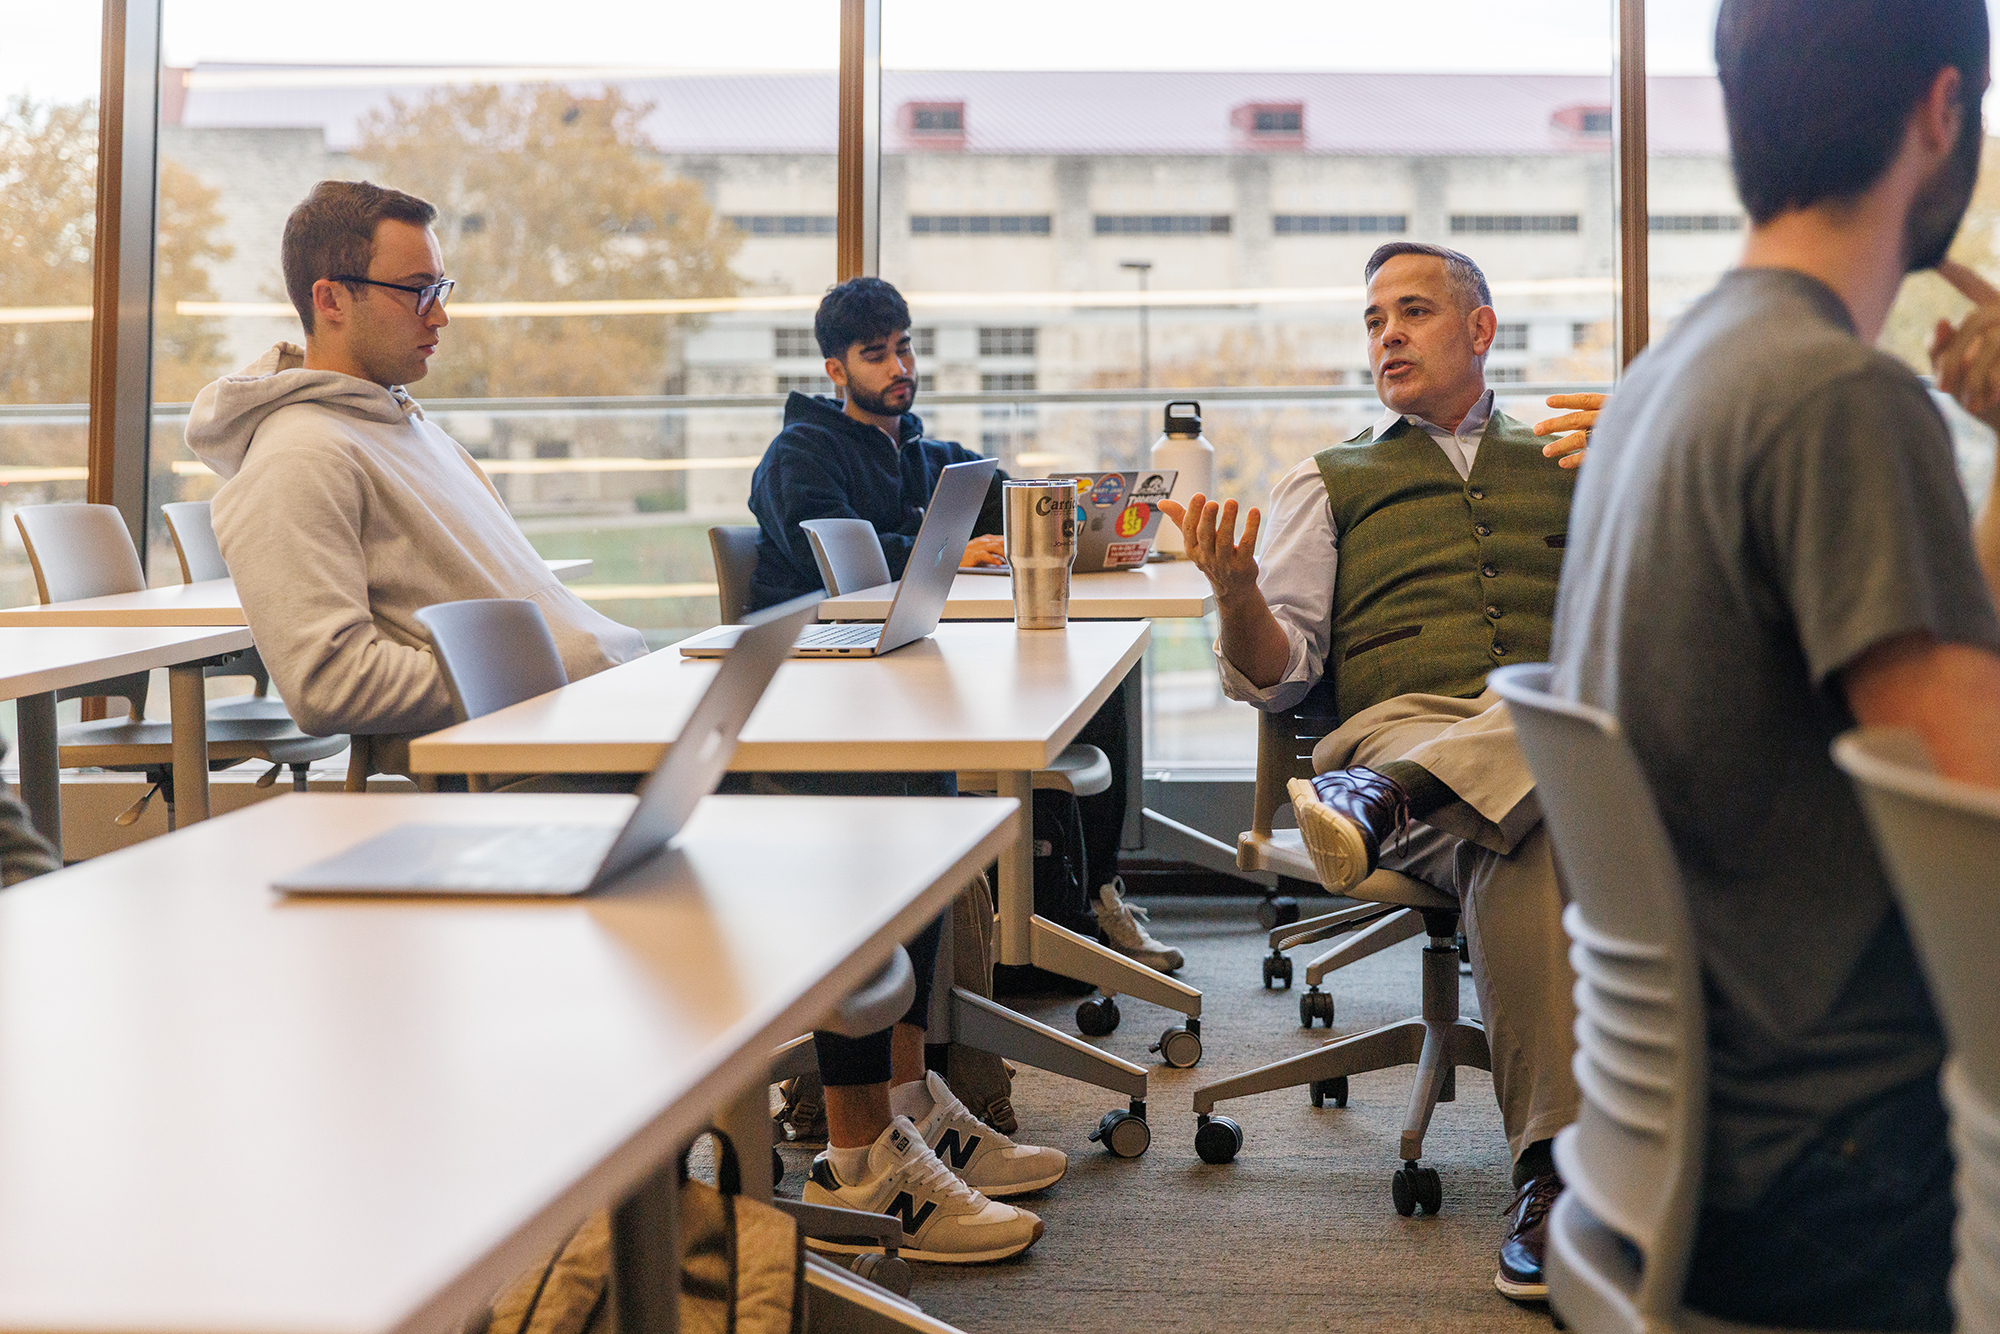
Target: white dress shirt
(1302, 553)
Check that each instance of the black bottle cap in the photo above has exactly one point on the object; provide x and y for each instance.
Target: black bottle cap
(1184, 418)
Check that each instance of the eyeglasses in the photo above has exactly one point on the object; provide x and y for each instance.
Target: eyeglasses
(430, 294)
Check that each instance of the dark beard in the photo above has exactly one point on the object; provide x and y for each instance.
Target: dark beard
(1940, 206)
(879, 403)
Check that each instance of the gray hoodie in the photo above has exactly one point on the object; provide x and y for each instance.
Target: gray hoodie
(342, 513)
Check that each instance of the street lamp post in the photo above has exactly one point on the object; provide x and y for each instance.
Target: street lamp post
(1143, 267)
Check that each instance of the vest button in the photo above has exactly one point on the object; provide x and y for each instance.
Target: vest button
(1477, 493)
(1484, 530)
(1492, 612)
(1490, 570)
(1499, 650)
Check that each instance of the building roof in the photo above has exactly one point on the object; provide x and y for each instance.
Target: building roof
(1204, 113)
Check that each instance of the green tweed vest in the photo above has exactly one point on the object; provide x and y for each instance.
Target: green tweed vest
(1441, 579)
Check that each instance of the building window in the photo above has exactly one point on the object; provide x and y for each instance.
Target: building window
(937, 118)
(1511, 338)
(1007, 342)
(1280, 123)
(552, 449)
(923, 342)
(1276, 120)
(979, 224)
(804, 384)
(1597, 122)
(1008, 382)
(1337, 224)
(1695, 222)
(1507, 375)
(1163, 224)
(926, 383)
(1591, 121)
(1509, 223)
(794, 343)
(1579, 334)
(784, 224)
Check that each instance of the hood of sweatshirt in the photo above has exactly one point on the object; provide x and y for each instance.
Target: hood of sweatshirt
(227, 413)
(826, 413)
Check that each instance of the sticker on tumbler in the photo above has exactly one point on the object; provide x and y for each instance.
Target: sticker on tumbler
(1110, 489)
(1132, 519)
(1125, 553)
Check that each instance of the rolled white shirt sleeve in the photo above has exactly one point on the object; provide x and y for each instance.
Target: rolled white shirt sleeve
(1295, 575)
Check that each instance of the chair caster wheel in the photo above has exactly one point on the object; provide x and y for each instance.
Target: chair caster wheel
(1097, 1017)
(1278, 970)
(1125, 1134)
(1332, 1090)
(1178, 1047)
(1315, 1004)
(1217, 1139)
(1281, 910)
(1414, 1187)
(891, 1271)
(777, 1167)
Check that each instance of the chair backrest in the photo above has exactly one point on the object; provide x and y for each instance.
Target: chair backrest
(1635, 1156)
(79, 551)
(848, 552)
(734, 547)
(1285, 742)
(494, 652)
(194, 541)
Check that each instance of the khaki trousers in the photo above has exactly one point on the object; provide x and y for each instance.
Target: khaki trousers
(1488, 849)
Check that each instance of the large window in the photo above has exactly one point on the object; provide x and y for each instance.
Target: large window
(639, 211)
(1208, 208)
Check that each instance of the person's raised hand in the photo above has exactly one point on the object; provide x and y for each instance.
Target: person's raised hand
(1567, 449)
(1209, 531)
(988, 550)
(1966, 360)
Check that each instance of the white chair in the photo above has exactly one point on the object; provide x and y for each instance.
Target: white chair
(193, 532)
(734, 549)
(85, 551)
(1622, 1232)
(1940, 842)
(848, 553)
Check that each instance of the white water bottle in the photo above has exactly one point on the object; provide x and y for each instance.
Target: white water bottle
(1186, 450)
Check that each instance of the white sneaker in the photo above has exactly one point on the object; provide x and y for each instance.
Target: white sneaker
(944, 1220)
(981, 1156)
(1125, 925)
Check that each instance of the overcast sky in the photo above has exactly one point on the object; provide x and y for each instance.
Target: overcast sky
(51, 47)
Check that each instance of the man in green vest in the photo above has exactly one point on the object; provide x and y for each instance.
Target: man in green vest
(1402, 566)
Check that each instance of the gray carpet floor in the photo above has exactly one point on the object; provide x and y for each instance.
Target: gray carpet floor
(1298, 1233)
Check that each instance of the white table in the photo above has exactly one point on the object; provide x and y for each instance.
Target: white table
(1162, 590)
(35, 664)
(224, 1111)
(209, 602)
(973, 696)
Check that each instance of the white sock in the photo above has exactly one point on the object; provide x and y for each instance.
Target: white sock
(850, 1165)
(912, 1100)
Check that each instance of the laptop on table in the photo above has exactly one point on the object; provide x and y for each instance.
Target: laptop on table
(1118, 514)
(569, 859)
(920, 595)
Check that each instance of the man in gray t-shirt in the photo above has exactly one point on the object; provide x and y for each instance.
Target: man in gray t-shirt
(1769, 544)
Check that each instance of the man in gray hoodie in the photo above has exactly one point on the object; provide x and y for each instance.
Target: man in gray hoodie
(343, 511)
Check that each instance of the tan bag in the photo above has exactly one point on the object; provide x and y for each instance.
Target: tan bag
(981, 1080)
(742, 1270)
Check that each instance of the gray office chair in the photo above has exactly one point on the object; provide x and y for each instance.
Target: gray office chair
(193, 532)
(1392, 907)
(734, 548)
(85, 551)
(848, 553)
(1940, 841)
(1620, 1236)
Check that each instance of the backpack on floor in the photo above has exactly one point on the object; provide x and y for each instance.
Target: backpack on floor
(1062, 882)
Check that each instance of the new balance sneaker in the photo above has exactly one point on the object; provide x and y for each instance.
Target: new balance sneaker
(1344, 818)
(981, 1156)
(945, 1220)
(1124, 925)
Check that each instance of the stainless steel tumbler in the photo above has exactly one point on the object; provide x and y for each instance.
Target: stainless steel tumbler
(1039, 520)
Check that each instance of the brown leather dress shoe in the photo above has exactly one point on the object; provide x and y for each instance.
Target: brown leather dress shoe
(1520, 1273)
(1344, 818)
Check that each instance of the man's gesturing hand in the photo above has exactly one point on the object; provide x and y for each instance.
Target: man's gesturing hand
(1209, 531)
(1567, 451)
(1966, 360)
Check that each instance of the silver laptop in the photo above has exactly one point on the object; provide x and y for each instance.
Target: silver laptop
(566, 859)
(922, 592)
(1118, 515)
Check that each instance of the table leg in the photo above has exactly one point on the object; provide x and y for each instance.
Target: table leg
(646, 1256)
(747, 1122)
(1017, 870)
(41, 769)
(187, 690)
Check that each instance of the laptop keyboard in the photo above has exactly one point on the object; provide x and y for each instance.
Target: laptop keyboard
(532, 857)
(840, 636)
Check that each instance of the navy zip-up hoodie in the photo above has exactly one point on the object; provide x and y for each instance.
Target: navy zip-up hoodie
(826, 465)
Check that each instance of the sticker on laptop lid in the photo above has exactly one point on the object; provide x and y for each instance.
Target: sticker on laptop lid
(1132, 519)
(1110, 489)
(1152, 486)
(1120, 554)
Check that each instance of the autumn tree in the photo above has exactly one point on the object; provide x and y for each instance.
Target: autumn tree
(547, 195)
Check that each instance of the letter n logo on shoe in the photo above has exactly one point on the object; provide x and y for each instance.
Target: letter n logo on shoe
(949, 1149)
(905, 1208)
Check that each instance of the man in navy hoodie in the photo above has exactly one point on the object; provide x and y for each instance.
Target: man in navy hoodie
(863, 457)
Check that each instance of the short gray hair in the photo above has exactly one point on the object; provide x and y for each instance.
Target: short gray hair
(1461, 275)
